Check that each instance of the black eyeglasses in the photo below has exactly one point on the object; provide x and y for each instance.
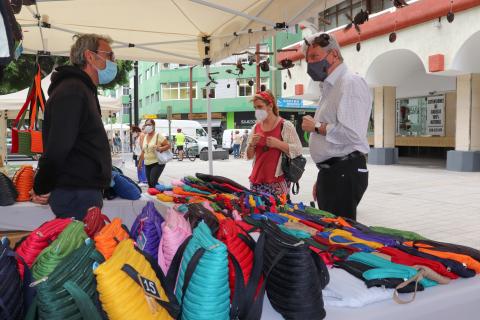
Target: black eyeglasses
(109, 54)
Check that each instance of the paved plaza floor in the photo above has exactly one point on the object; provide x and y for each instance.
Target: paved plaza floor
(417, 195)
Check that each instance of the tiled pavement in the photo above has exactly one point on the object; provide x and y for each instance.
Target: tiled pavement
(417, 195)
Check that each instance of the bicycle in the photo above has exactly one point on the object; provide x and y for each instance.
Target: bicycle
(190, 151)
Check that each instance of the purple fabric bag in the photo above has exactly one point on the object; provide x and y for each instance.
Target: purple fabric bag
(147, 230)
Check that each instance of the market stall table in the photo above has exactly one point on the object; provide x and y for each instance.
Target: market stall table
(28, 215)
(459, 300)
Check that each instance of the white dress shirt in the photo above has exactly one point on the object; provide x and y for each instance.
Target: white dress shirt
(345, 106)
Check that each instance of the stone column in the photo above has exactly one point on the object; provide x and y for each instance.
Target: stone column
(466, 156)
(384, 151)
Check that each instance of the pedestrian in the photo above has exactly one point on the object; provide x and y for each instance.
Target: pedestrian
(237, 140)
(76, 164)
(137, 136)
(180, 143)
(152, 142)
(270, 137)
(117, 143)
(243, 146)
(338, 131)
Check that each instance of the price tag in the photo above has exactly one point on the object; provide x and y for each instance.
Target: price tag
(141, 241)
(149, 287)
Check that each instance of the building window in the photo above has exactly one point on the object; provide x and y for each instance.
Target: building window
(147, 100)
(178, 91)
(245, 90)
(140, 103)
(157, 67)
(126, 108)
(157, 96)
(204, 93)
(126, 91)
(139, 78)
(152, 97)
(337, 14)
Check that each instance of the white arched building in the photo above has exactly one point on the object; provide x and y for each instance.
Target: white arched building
(426, 84)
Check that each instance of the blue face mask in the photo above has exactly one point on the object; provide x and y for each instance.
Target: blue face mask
(108, 74)
(318, 71)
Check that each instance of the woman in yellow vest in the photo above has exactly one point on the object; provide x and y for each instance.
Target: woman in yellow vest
(152, 141)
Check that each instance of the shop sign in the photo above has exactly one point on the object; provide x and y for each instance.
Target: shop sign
(289, 103)
(436, 115)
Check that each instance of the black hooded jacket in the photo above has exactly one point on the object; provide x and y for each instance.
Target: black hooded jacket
(76, 148)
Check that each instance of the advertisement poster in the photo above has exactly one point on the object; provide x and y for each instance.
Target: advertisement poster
(436, 115)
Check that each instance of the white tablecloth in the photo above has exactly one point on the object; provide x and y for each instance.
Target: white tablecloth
(459, 300)
(28, 215)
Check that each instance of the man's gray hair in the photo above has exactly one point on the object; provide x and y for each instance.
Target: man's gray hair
(85, 42)
(332, 44)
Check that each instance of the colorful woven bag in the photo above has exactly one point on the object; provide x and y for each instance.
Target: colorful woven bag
(23, 181)
(11, 292)
(70, 292)
(94, 221)
(120, 289)
(8, 193)
(69, 240)
(125, 187)
(30, 247)
(202, 287)
(109, 237)
(175, 230)
(147, 230)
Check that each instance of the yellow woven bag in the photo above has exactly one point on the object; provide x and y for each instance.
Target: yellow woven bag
(122, 297)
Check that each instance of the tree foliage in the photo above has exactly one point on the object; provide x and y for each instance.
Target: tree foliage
(18, 75)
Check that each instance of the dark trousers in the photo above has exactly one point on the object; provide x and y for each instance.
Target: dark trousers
(341, 187)
(67, 203)
(154, 171)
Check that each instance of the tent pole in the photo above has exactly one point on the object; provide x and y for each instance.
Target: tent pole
(3, 135)
(209, 122)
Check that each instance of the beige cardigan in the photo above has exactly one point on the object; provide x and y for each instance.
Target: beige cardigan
(290, 136)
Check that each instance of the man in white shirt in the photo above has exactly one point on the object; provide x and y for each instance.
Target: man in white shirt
(338, 138)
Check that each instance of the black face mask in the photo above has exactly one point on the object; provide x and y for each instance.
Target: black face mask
(318, 71)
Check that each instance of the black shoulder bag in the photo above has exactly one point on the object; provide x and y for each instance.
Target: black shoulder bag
(293, 169)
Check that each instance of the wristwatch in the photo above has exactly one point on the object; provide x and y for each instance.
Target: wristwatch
(317, 127)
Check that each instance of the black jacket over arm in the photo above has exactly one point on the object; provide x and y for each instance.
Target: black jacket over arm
(76, 148)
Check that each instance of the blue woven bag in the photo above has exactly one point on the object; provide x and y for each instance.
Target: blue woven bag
(126, 188)
(11, 292)
(147, 230)
(202, 287)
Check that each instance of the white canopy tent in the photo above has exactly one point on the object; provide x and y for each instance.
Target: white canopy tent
(179, 31)
(14, 101)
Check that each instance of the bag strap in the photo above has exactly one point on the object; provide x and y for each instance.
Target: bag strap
(172, 308)
(21, 114)
(82, 301)
(192, 265)
(172, 273)
(254, 310)
(416, 278)
(295, 188)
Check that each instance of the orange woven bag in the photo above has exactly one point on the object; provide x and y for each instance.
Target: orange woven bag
(23, 181)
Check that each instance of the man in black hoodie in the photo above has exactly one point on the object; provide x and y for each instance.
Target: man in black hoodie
(76, 164)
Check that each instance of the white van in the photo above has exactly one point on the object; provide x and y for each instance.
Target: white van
(189, 128)
(227, 138)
